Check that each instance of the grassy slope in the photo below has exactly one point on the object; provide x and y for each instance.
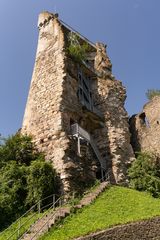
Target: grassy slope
(7, 233)
(116, 205)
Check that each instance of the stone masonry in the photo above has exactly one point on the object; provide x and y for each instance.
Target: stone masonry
(65, 94)
(145, 128)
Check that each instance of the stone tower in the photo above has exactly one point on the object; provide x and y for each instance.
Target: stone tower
(75, 109)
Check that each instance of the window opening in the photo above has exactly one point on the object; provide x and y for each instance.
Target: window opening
(143, 120)
(84, 92)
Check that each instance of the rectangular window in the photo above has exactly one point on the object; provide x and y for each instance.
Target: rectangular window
(84, 92)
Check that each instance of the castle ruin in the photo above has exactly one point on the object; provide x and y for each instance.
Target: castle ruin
(75, 109)
(145, 128)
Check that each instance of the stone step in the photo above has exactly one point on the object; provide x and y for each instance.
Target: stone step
(90, 197)
(61, 213)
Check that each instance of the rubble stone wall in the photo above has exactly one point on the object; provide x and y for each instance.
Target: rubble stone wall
(81, 169)
(43, 118)
(53, 105)
(114, 138)
(145, 128)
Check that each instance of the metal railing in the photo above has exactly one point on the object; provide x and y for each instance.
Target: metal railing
(33, 213)
(18, 221)
(102, 162)
(59, 203)
(79, 34)
(78, 131)
(39, 207)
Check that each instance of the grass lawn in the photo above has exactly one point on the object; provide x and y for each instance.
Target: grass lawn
(117, 205)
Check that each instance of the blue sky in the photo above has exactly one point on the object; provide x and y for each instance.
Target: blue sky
(131, 29)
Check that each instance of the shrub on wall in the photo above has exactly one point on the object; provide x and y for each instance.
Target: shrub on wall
(152, 93)
(75, 49)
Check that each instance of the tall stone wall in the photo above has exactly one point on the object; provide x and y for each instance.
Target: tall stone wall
(53, 106)
(52, 103)
(114, 138)
(43, 118)
(145, 128)
(81, 168)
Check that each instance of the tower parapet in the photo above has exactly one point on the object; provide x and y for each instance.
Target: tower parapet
(45, 17)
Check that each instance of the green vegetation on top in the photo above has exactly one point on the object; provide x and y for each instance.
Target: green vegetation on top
(75, 49)
(117, 205)
(152, 93)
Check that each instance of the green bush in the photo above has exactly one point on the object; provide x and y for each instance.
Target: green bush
(18, 148)
(145, 173)
(13, 191)
(75, 49)
(152, 93)
(40, 181)
(25, 177)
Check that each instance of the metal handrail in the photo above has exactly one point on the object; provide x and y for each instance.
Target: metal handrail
(79, 131)
(79, 34)
(19, 219)
(52, 215)
(27, 212)
(37, 205)
(53, 206)
(16, 231)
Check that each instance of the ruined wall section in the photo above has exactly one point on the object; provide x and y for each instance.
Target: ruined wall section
(114, 138)
(52, 103)
(43, 117)
(53, 106)
(145, 128)
(81, 170)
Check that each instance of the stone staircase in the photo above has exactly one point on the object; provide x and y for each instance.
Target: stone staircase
(42, 225)
(90, 197)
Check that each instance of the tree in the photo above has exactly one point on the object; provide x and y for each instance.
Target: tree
(145, 173)
(25, 177)
(41, 181)
(13, 191)
(19, 148)
(152, 93)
